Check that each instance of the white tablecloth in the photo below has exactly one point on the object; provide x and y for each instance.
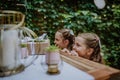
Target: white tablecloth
(36, 72)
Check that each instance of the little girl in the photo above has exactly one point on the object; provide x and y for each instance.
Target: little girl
(64, 38)
(87, 45)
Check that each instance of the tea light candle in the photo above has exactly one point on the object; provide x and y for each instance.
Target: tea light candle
(10, 49)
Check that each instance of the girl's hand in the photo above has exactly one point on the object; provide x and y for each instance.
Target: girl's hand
(66, 51)
(74, 53)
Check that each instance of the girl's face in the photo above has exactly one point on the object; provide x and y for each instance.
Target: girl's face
(81, 48)
(59, 41)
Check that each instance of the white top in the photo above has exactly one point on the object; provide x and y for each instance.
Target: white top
(36, 72)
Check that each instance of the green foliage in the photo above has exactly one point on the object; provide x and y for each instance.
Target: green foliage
(23, 45)
(80, 16)
(112, 56)
(52, 48)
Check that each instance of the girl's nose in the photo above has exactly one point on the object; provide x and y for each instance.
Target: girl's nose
(54, 41)
(74, 46)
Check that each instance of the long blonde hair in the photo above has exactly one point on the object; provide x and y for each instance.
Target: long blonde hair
(93, 41)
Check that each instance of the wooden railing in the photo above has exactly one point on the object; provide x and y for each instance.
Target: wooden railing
(97, 70)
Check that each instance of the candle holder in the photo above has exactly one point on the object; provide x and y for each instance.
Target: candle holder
(51, 61)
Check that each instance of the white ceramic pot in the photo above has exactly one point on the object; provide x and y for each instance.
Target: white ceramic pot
(24, 52)
(52, 58)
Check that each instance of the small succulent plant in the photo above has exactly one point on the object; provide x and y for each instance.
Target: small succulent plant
(23, 45)
(52, 48)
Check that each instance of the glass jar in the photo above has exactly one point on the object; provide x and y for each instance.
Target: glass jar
(13, 58)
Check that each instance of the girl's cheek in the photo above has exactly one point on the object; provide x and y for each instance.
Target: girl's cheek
(77, 50)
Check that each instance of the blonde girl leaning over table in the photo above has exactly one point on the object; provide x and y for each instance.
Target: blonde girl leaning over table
(87, 45)
(64, 39)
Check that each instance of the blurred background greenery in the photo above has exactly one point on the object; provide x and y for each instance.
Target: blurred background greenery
(47, 16)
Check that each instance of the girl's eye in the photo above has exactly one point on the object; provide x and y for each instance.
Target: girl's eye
(57, 39)
(77, 44)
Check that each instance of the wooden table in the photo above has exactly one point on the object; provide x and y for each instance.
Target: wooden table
(36, 72)
(97, 70)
